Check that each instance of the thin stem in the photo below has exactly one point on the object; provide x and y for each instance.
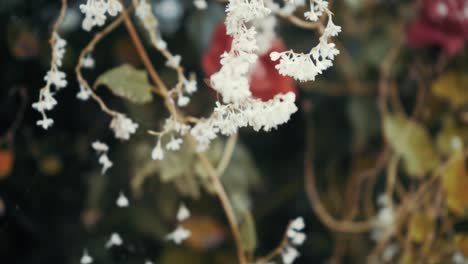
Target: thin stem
(227, 155)
(226, 204)
(220, 191)
(89, 48)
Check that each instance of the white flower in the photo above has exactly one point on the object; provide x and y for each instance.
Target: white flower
(174, 144)
(57, 78)
(46, 101)
(88, 62)
(384, 222)
(100, 146)
(183, 101)
(298, 224)
(157, 153)
(289, 254)
(183, 213)
(83, 94)
(114, 7)
(459, 258)
(190, 86)
(122, 200)
(174, 61)
(173, 125)
(331, 30)
(58, 49)
(179, 235)
(45, 123)
(114, 240)
(105, 162)
(200, 4)
(95, 12)
(86, 258)
(123, 127)
(297, 238)
(148, 262)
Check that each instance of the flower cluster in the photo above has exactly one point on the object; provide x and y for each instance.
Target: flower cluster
(102, 149)
(95, 12)
(114, 240)
(174, 127)
(180, 233)
(306, 66)
(296, 238)
(122, 200)
(231, 81)
(123, 126)
(228, 118)
(54, 79)
(264, 80)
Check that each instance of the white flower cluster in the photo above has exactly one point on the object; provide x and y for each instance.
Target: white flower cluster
(228, 118)
(231, 81)
(174, 127)
(200, 4)
(54, 78)
(102, 149)
(306, 66)
(384, 222)
(95, 12)
(123, 126)
(180, 233)
(83, 94)
(296, 238)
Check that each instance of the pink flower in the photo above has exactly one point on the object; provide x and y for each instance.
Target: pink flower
(443, 23)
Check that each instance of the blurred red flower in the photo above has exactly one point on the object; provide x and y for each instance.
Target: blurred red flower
(265, 81)
(443, 23)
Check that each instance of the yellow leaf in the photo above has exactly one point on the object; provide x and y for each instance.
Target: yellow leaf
(420, 227)
(412, 142)
(452, 86)
(455, 183)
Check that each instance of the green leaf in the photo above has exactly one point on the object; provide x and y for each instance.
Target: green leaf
(127, 82)
(412, 142)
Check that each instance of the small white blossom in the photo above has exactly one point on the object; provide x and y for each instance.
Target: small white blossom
(179, 235)
(183, 213)
(149, 262)
(289, 254)
(298, 224)
(88, 62)
(183, 101)
(123, 126)
(157, 152)
(459, 258)
(57, 78)
(174, 61)
(122, 200)
(95, 12)
(384, 222)
(105, 162)
(114, 240)
(174, 144)
(100, 146)
(45, 123)
(200, 4)
(190, 86)
(86, 258)
(83, 94)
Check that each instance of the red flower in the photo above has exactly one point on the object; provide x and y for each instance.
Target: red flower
(265, 81)
(443, 23)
